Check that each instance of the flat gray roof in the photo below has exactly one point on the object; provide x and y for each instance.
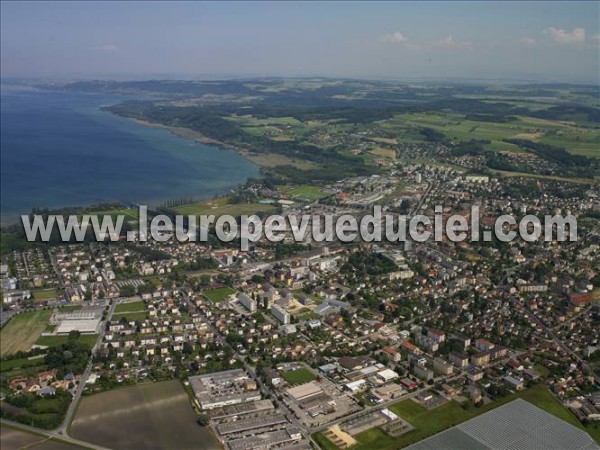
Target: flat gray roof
(518, 425)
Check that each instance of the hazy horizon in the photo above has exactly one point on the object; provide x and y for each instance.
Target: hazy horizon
(495, 41)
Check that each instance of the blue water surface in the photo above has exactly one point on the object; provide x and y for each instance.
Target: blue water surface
(59, 149)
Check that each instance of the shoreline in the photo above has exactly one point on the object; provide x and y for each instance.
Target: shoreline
(262, 160)
(188, 133)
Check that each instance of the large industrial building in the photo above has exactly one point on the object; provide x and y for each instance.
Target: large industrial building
(305, 391)
(85, 320)
(218, 389)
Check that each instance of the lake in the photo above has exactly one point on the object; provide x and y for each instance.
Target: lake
(59, 149)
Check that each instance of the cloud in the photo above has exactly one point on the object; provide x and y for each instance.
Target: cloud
(561, 36)
(448, 42)
(394, 38)
(105, 48)
(528, 41)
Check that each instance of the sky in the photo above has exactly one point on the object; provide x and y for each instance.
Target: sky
(524, 41)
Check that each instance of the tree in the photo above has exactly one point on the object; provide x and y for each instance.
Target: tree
(74, 335)
(203, 420)
(127, 291)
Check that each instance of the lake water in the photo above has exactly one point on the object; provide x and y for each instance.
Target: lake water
(59, 149)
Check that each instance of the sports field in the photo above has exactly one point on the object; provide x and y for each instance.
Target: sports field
(132, 306)
(137, 316)
(304, 192)
(219, 207)
(298, 376)
(218, 294)
(44, 294)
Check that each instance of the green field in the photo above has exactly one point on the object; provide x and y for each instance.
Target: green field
(248, 120)
(21, 363)
(304, 192)
(545, 177)
(69, 308)
(52, 341)
(130, 215)
(44, 294)
(575, 139)
(22, 331)
(133, 306)
(299, 376)
(276, 159)
(430, 422)
(131, 315)
(218, 294)
(219, 207)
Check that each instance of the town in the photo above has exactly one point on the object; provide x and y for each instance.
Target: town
(313, 345)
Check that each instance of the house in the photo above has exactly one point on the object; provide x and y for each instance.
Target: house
(581, 300)
(392, 354)
(531, 374)
(48, 390)
(410, 348)
(460, 360)
(423, 373)
(463, 340)
(272, 376)
(514, 364)
(474, 393)
(480, 359)
(442, 367)
(474, 374)
(355, 362)
(483, 345)
(409, 384)
(436, 335)
(513, 383)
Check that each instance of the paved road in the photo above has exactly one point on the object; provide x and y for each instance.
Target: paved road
(51, 434)
(62, 430)
(560, 343)
(264, 390)
(555, 338)
(575, 317)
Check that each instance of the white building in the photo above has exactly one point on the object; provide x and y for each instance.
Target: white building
(280, 314)
(387, 375)
(247, 302)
